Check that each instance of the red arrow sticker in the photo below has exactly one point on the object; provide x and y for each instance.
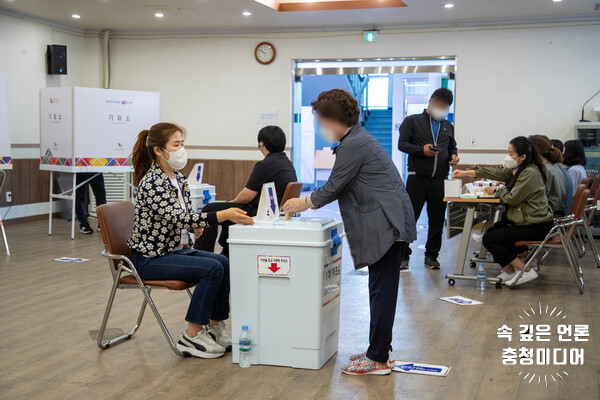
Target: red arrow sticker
(276, 266)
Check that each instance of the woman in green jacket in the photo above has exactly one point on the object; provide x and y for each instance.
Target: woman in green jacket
(556, 181)
(528, 215)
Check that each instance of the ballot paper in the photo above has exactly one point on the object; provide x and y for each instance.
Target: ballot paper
(421, 369)
(71, 259)
(461, 301)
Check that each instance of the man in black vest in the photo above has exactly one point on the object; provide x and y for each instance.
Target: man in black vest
(428, 139)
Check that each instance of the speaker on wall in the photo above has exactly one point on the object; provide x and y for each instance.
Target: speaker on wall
(56, 59)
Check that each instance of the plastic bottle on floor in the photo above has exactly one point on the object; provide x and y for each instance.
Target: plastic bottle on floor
(481, 277)
(245, 348)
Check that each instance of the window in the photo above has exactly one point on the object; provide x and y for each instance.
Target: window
(377, 93)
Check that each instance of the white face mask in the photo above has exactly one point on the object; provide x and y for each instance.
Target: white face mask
(177, 159)
(328, 135)
(439, 114)
(510, 162)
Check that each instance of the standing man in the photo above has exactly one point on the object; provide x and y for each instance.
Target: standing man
(82, 198)
(428, 139)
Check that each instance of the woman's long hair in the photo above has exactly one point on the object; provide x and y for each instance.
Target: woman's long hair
(143, 155)
(522, 145)
(545, 148)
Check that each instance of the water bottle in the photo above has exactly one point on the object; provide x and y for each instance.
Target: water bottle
(481, 277)
(245, 348)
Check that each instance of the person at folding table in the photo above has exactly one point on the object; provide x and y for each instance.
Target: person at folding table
(377, 216)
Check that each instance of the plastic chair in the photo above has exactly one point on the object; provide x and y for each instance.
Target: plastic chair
(292, 191)
(116, 224)
(560, 236)
(2, 178)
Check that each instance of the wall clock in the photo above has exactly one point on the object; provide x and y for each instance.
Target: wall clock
(265, 53)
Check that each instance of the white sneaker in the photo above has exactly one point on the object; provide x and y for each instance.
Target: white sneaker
(506, 276)
(203, 345)
(526, 277)
(221, 335)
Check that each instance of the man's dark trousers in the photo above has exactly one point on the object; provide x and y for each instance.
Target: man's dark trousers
(421, 190)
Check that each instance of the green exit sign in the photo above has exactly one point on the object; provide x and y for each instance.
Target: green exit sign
(370, 36)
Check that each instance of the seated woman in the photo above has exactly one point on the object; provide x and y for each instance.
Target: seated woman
(556, 182)
(574, 159)
(160, 239)
(276, 167)
(528, 217)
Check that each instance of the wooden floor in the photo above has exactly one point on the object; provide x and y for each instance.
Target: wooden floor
(51, 312)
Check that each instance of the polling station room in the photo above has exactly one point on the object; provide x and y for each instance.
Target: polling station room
(293, 199)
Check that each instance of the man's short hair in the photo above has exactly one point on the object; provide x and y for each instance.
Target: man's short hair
(273, 138)
(443, 94)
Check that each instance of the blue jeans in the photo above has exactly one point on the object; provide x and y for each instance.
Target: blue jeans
(209, 271)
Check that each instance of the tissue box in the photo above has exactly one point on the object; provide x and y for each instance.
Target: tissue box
(452, 187)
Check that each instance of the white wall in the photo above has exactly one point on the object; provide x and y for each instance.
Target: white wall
(23, 58)
(510, 81)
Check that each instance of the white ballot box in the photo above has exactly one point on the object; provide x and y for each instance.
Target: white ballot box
(285, 286)
(201, 195)
(452, 187)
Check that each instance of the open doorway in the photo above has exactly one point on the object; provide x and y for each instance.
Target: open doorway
(387, 91)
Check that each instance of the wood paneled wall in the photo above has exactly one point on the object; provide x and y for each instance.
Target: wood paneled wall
(228, 176)
(30, 185)
(26, 182)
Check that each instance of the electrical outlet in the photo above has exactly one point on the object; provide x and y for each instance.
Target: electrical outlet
(9, 197)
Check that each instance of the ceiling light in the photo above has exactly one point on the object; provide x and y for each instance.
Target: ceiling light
(159, 14)
(246, 13)
(448, 5)
(557, 1)
(76, 16)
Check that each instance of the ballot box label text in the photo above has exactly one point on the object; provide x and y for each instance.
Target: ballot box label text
(332, 279)
(274, 265)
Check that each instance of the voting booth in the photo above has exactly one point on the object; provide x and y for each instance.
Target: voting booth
(5, 155)
(285, 286)
(91, 130)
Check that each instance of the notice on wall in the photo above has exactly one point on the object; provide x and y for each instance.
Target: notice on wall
(56, 126)
(267, 118)
(274, 265)
(5, 155)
